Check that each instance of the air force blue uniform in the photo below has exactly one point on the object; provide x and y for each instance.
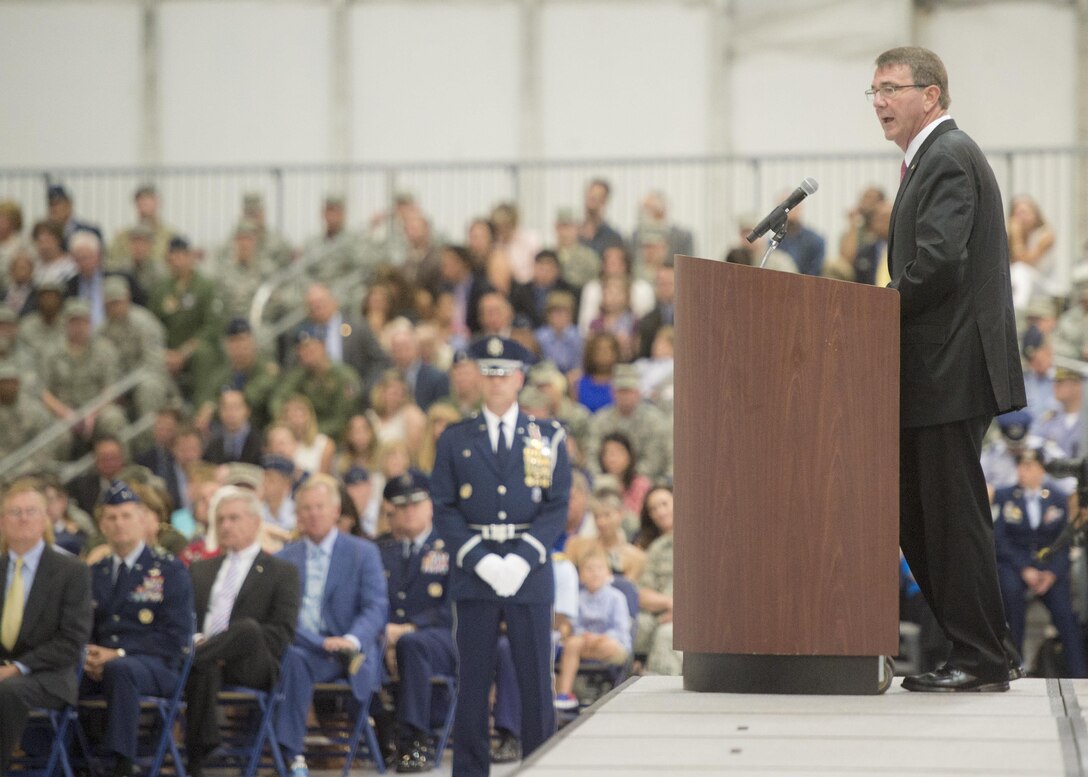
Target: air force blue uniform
(1016, 543)
(149, 616)
(353, 602)
(520, 508)
(419, 595)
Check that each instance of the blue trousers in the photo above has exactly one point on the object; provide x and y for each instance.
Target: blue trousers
(1058, 600)
(302, 669)
(124, 681)
(507, 710)
(529, 629)
(421, 655)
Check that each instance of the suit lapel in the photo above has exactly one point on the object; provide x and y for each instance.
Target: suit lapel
(254, 578)
(940, 129)
(203, 587)
(41, 593)
(336, 561)
(3, 579)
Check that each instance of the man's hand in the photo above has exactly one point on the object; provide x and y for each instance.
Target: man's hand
(665, 617)
(394, 631)
(9, 671)
(175, 361)
(335, 644)
(492, 571)
(97, 658)
(1030, 576)
(1045, 582)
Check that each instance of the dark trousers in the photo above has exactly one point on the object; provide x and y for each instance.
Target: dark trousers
(507, 710)
(529, 629)
(124, 681)
(18, 695)
(421, 655)
(1060, 603)
(237, 656)
(946, 534)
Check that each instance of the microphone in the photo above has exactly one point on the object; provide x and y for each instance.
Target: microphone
(775, 217)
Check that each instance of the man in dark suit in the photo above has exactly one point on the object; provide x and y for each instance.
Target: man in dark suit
(528, 299)
(39, 653)
(236, 439)
(109, 459)
(419, 636)
(948, 259)
(246, 606)
(89, 282)
(343, 613)
(428, 384)
(143, 620)
(501, 483)
(664, 310)
(159, 458)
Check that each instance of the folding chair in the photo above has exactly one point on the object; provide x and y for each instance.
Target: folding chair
(450, 681)
(57, 725)
(359, 731)
(248, 726)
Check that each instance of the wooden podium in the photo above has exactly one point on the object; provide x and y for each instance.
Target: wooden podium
(786, 480)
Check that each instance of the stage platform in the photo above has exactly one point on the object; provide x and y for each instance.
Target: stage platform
(651, 726)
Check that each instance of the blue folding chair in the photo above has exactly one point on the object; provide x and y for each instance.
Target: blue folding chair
(248, 728)
(163, 712)
(450, 682)
(361, 730)
(56, 725)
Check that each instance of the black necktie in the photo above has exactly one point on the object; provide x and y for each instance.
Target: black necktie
(501, 450)
(121, 583)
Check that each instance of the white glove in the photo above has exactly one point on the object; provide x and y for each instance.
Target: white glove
(492, 571)
(517, 569)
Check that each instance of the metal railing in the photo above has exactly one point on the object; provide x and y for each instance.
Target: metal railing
(706, 193)
(17, 461)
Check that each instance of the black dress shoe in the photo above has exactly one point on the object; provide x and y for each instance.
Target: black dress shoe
(507, 750)
(948, 679)
(415, 756)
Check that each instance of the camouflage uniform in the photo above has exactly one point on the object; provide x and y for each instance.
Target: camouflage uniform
(649, 431)
(334, 394)
(139, 339)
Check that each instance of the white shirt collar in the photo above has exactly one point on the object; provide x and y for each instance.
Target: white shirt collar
(247, 555)
(920, 138)
(129, 560)
(326, 543)
(510, 418)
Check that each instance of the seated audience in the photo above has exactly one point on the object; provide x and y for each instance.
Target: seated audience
(654, 633)
(611, 540)
(236, 439)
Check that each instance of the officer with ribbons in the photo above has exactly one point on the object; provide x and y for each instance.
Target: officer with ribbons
(419, 635)
(143, 621)
(500, 487)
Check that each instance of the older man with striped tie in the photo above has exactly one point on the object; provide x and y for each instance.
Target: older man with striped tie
(247, 606)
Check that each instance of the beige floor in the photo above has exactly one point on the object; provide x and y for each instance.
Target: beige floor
(653, 727)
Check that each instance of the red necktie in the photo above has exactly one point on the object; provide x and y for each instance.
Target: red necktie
(902, 171)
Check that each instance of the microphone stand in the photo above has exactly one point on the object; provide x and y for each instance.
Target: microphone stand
(779, 233)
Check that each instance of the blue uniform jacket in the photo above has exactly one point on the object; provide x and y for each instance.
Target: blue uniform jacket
(1014, 539)
(419, 586)
(468, 488)
(354, 600)
(152, 615)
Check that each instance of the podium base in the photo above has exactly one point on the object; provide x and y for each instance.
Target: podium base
(748, 673)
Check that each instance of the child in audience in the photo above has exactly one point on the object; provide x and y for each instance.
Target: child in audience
(601, 632)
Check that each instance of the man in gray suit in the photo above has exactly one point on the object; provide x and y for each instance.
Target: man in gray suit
(39, 653)
(948, 259)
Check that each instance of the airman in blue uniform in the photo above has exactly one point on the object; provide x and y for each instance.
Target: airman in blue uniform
(500, 486)
(1064, 426)
(1030, 517)
(419, 635)
(143, 621)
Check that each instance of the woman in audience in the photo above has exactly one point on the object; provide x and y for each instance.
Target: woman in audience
(12, 241)
(359, 445)
(393, 413)
(18, 292)
(487, 256)
(1030, 236)
(654, 633)
(617, 458)
(203, 483)
(54, 263)
(648, 528)
(439, 416)
(616, 316)
(594, 388)
(615, 263)
(378, 307)
(313, 450)
(611, 540)
(73, 529)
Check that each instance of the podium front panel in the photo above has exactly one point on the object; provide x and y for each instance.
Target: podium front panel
(786, 463)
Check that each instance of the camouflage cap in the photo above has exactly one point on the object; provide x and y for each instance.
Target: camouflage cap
(625, 376)
(252, 201)
(565, 216)
(7, 315)
(76, 308)
(9, 370)
(115, 288)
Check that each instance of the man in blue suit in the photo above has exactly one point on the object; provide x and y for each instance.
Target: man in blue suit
(343, 613)
(143, 620)
(500, 485)
(419, 635)
(1031, 516)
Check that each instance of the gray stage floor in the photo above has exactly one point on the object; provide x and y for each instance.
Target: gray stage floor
(650, 726)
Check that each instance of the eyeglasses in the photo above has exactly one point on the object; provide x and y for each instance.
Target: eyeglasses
(889, 91)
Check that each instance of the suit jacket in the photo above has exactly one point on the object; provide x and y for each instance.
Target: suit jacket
(161, 462)
(431, 385)
(1016, 542)
(269, 595)
(648, 327)
(136, 291)
(152, 614)
(469, 487)
(355, 601)
(86, 489)
(523, 300)
(948, 258)
(251, 449)
(56, 622)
